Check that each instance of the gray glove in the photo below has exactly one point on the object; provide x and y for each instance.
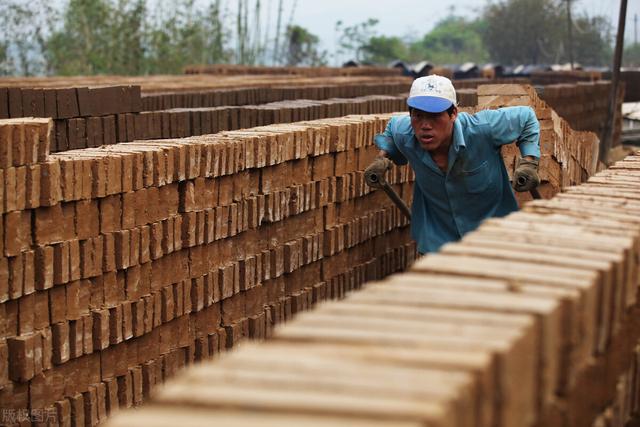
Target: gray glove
(525, 177)
(374, 174)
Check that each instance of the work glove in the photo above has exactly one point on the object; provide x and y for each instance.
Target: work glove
(374, 174)
(525, 177)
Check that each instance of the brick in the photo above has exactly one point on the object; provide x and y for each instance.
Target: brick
(17, 232)
(16, 277)
(26, 314)
(87, 215)
(21, 357)
(109, 253)
(76, 338)
(74, 260)
(127, 320)
(60, 337)
(33, 181)
(77, 410)
(115, 325)
(101, 329)
(50, 188)
(48, 225)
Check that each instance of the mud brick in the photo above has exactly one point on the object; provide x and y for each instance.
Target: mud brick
(63, 410)
(212, 291)
(177, 233)
(156, 240)
(26, 314)
(168, 304)
(128, 210)
(137, 385)
(21, 188)
(41, 310)
(74, 260)
(6, 146)
(90, 398)
(277, 262)
(101, 329)
(87, 334)
(77, 133)
(16, 277)
(88, 257)
(4, 103)
(21, 357)
(188, 232)
(115, 324)
(76, 338)
(110, 134)
(10, 190)
(112, 402)
(73, 310)
(15, 102)
(291, 256)
(145, 244)
(178, 299)
(127, 320)
(48, 223)
(138, 315)
(157, 309)
(122, 248)
(77, 410)
(226, 280)
(134, 248)
(168, 229)
(247, 270)
(101, 401)
(109, 253)
(60, 341)
(17, 232)
(57, 304)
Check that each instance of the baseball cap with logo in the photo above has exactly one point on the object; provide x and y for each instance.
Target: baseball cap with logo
(433, 94)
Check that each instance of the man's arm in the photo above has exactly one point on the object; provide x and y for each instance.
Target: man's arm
(521, 125)
(388, 149)
(518, 124)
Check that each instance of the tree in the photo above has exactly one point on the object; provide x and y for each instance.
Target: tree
(631, 56)
(535, 32)
(382, 50)
(302, 47)
(454, 40)
(523, 31)
(354, 38)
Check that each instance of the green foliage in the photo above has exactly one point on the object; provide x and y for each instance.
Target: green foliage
(354, 38)
(454, 40)
(23, 32)
(631, 55)
(302, 48)
(383, 50)
(535, 32)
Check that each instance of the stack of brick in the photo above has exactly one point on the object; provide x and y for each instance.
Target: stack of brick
(568, 157)
(89, 132)
(585, 105)
(528, 321)
(558, 77)
(232, 69)
(125, 262)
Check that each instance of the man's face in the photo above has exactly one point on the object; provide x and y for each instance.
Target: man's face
(433, 130)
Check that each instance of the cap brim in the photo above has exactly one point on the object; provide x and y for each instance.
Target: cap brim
(430, 104)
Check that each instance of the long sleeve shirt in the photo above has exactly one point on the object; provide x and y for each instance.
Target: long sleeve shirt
(476, 186)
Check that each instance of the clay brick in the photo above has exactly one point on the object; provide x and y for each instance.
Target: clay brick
(10, 190)
(127, 320)
(50, 188)
(16, 277)
(26, 314)
(77, 410)
(76, 338)
(48, 223)
(58, 304)
(115, 324)
(21, 357)
(122, 248)
(60, 336)
(138, 315)
(168, 306)
(109, 253)
(33, 181)
(101, 329)
(17, 232)
(74, 260)
(226, 281)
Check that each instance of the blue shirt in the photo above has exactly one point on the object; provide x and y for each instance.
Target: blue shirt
(476, 185)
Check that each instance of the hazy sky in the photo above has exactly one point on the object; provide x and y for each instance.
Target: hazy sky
(403, 17)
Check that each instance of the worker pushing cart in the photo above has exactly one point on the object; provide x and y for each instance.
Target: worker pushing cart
(461, 178)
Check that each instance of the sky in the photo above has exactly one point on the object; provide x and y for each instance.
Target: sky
(406, 17)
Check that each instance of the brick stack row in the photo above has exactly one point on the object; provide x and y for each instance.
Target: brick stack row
(528, 321)
(68, 102)
(123, 263)
(90, 132)
(233, 69)
(568, 157)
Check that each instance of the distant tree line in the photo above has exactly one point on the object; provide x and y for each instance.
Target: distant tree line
(138, 37)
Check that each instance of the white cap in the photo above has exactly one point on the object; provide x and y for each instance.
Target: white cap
(433, 94)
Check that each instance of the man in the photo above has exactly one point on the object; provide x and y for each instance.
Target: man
(460, 175)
